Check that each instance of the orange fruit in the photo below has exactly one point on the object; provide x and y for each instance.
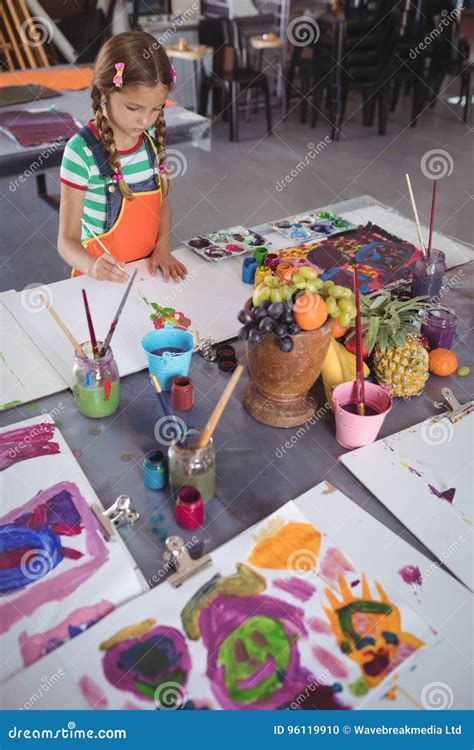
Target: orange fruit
(442, 362)
(338, 330)
(310, 311)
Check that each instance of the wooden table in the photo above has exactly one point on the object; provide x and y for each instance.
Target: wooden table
(194, 55)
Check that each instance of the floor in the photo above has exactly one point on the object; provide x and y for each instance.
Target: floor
(262, 178)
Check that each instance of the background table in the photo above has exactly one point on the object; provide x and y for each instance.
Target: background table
(259, 468)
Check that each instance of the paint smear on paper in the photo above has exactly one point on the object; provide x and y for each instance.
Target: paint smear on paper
(318, 625)
(359, 688)
(55, 586)
(411, 574)
(93, 693)
(297, 587)
(36, 646)
(447, 495)
(330, 662)
(27, 442)
(294, 547)
(335, 564)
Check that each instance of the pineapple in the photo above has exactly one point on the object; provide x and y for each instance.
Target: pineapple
(400, 361)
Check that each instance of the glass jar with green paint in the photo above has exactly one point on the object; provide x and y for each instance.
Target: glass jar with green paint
(96, 382)
(190, 466)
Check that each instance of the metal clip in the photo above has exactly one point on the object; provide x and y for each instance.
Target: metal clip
(185, 566)
(206, 349)
(456, 410)
(119, 513)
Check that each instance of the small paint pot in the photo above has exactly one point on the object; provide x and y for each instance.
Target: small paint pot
(227, 364)
(352, 430)
(285, 271)
(155, 470)
(249, 268)
(225, 350)
(271, 261)
(182, 393)
(189, 508)
(260, 254)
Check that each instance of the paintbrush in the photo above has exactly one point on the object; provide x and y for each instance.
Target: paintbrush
(95, 348)
(63, 327)
(113, 325)
(415, 214)
(89, 229)
(161, 396)
(433, 204)
(219, 408)
(360, 382)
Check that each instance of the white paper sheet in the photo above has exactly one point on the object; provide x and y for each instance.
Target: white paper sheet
(90, 671)
(409, 470)
(61, 573)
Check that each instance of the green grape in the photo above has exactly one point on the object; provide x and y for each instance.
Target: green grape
(334, 291)
(345, 304)
(345, 292)
(328, 284)
(268, 280)
(345, 319)
(300, 284)
(332, 307)
(307, 273)
(318, 283)
(276, 295)
(352, 310)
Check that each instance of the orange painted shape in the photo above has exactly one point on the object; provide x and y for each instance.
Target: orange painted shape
(294, 547)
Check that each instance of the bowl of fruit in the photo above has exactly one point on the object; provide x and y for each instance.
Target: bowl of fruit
(287, 329)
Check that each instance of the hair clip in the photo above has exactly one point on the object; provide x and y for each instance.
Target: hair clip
(117, 176)
(162, 169)
(117, 79)
(173, 77)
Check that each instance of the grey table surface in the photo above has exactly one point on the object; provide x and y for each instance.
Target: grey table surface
(259, 468)
(183, 127)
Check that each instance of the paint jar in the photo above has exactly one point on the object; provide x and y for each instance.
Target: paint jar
(260, 254)
(169, 351)
(428, 274)
(182, 393)
(249, 267)
(439, 326)
(96, 382)
(189, 508)
(271, 261)
(285, 271)
(189, 466)
(352, 430)
(155, 470)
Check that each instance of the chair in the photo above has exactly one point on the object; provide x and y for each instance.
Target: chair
(229, 74)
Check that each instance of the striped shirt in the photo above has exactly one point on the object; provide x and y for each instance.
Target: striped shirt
(79, 170)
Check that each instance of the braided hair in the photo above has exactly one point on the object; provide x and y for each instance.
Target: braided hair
(145, 62)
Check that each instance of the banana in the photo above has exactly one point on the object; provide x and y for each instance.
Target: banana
(339, 367)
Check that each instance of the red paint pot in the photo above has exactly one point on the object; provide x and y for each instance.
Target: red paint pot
(189, 508)
(182, 393)
(224, 350)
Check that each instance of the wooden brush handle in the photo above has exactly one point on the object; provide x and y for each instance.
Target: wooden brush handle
(63, 327)
(219, 407)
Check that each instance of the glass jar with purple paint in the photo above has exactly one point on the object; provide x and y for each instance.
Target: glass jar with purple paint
(428, 274)
(439, 326)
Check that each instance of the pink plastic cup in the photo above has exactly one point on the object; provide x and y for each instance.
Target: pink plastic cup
(352, 430)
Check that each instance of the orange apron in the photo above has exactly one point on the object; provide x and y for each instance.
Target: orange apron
(133, 225)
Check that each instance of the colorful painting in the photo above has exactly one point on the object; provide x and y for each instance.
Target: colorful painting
(283, 619)
(55, 562)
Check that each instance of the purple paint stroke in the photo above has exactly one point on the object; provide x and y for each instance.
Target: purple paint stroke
(447, 495)
(93, 693)
(57, 586)
(35, 646)
(411, 574)
(330, 662)
(318, 625)
(300, 589)
(27, 442)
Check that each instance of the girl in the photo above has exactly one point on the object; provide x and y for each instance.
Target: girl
(113, 175)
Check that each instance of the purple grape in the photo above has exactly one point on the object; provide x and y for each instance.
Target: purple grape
(244, 333)
(275, 310)
(245, 317)
(259, 313)
(285, 344)
(266, 325)
(255, 336)
(281, 330)
(266, 304)
(287, 317)
(294, 328)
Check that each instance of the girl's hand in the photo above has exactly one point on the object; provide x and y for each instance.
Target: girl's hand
(107, 268)
(168, 265)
